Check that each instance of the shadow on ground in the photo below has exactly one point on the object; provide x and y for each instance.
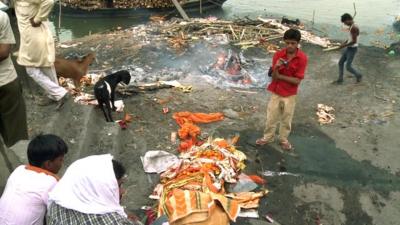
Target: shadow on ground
(315, 160)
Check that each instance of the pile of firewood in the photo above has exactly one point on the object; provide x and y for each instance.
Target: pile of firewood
(241, 32)
(121, 4)
(84, 4)
(244, 32)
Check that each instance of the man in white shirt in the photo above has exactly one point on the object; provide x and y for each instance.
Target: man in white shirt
(24, 200)
(13, 125)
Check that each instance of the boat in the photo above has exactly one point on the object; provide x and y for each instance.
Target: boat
(190, 7)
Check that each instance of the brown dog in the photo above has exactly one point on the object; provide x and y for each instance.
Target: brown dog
(74, 68)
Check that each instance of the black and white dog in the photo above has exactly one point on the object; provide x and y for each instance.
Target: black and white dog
(104, 91)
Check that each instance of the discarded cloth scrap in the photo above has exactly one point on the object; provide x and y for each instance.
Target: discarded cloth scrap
(158, 161)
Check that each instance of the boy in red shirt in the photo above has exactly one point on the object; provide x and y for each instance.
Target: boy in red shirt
(288, 66)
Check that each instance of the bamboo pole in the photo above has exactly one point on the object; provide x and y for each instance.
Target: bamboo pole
(180, 10)
(313, 18)
(355, 10)
(59, 14)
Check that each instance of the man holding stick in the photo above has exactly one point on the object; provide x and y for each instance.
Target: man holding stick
(351, 47)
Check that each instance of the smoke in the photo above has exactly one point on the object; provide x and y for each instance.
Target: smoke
(161, 62)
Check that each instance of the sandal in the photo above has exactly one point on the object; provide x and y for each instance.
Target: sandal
(263, 141)
(285, 145)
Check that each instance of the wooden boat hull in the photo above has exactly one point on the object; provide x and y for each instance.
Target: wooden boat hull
(138, 12)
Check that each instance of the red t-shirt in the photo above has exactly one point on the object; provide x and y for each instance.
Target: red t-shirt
(295, 68)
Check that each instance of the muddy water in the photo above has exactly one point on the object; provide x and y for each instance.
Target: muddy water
(375, 19)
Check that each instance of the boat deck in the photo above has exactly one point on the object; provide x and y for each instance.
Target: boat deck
(190, 7)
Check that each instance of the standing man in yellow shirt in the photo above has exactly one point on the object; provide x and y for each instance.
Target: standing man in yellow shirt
(37, 51)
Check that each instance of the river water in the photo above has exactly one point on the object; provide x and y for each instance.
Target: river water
(375, 17)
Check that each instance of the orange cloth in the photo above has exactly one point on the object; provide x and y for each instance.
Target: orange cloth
(257, 179)
(40, 170)
(189, 131)
(183, 203)
(247, 200)
(216, 215)
(183, 117)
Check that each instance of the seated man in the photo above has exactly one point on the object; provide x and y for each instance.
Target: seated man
(89, 193)
(24, 200)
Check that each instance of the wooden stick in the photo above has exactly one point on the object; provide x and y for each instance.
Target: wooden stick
(248, 92)
(241, 36)
(273, 38)
(313, 18)
(355, 10)
(59, 15)
(233, 32)
(331, 49)
(180, 10)
(215, 3)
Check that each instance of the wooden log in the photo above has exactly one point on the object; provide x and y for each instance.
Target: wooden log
(142, 88)
(180, 10)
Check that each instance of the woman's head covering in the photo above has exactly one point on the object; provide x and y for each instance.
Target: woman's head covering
(89, 186)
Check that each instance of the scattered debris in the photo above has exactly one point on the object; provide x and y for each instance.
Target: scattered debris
(69, 46)
(199, 176)
(268, 173)
(230, 113)
(244, 184)
(158, 18)
(250, 213)
(151, 215)
(128, 118)
(325, 114)
(173, 137)
(289, 22)
(122, 124)
(269, 218)
(119, 104)
(305, 35)
(85, 99)
(165, 110)
(248, 200)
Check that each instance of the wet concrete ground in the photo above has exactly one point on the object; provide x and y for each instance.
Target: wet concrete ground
(349, 172)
